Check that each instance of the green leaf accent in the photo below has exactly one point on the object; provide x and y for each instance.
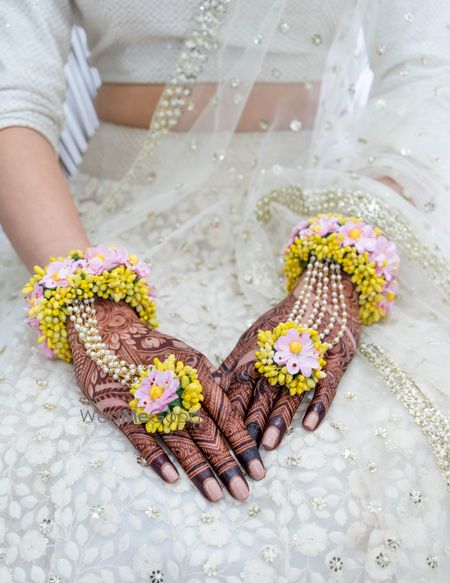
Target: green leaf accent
(173, 404)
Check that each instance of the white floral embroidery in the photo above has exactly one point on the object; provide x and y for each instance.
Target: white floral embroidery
(257, 571)
(215, 534)
(6, 575)
(32, 546)
(2, 529)
(379, 564)
(310, 540)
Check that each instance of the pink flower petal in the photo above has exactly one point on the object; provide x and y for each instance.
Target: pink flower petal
(293, 365)
(282, 344)
(292, 335)
(310, 361)
(280, 357)
(145, 384)
(161, 404)
(161, 378)
(305, 341)
(306, 370)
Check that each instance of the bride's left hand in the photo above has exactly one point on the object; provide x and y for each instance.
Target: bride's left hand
(268, 409)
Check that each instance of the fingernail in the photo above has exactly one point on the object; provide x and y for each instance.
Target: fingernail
(256, 470)
(239, 488)
(212, 489)
(271, 437)
(311, 421)
(169, 472)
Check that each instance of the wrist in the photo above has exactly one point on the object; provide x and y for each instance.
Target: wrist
(361, 251)
(341, 273)
(102, 272)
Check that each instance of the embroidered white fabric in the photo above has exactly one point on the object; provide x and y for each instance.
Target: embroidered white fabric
(360, 499)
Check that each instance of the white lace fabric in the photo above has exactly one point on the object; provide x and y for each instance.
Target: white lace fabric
(362, 498)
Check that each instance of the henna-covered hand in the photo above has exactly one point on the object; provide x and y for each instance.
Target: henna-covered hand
(200, 448)
(268, 410)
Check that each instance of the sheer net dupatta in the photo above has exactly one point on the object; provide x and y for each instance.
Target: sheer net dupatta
(346, 80)
(367, 107)
(219, 65)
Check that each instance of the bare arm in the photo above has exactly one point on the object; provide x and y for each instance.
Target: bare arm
(36, 208)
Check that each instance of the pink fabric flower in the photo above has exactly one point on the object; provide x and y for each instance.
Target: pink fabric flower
(157, 391)
(141, 269)
(58, 272)
(152, 293)
(323, 226)
(33, 322)
(103, 258)
(362, 236)
(385, 257)
(36, 293)
(48, 352)
(295, 231)
(389, 293)
(296, 352)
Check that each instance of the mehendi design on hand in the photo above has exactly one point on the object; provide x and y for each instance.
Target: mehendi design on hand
(123, 333)
(135, 343)
(264, 408)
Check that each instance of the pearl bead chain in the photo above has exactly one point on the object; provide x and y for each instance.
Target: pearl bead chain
(324, 280)
(82, 314)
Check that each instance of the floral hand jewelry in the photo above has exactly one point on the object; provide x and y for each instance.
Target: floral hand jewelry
(292, 354)
(168, 386)
(166, 394)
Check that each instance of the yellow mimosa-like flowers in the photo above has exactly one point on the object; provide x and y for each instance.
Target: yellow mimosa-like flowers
(364, 253)
(102, 272)
(291, 355)
(167, 396)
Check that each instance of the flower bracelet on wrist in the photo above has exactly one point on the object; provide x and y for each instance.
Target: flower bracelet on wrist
(292, 354)
(165, 394)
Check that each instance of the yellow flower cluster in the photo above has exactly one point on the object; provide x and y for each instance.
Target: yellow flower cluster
(368, 283)
(278, 374)
(50, 310)
(186, 405)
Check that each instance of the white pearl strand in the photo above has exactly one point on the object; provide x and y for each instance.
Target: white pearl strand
(323, 278)
(85, 322)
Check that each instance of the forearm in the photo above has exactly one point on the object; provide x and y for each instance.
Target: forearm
(36, 208)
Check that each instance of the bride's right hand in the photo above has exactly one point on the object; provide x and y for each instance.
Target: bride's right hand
(200, 448)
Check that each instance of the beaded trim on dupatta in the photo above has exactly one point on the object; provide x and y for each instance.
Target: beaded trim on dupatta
(388, 219)
(175, 99)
